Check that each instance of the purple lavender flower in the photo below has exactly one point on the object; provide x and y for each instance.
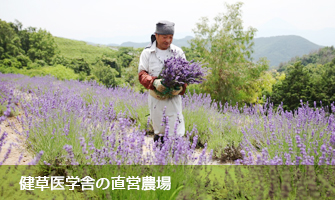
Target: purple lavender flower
(36, 159)
(69, 150)
(177, 71)
(7, 154)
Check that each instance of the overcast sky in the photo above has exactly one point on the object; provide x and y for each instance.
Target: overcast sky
(133, 20)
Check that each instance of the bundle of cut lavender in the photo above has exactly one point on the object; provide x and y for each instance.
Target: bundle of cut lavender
(177, 71)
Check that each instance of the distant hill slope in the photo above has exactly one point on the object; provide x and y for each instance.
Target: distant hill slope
(321, 56)
(282, 48)
(80, 49)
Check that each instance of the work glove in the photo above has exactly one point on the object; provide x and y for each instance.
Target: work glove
(159, 86)
(177, 91)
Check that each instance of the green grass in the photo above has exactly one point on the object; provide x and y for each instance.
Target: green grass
(216, 129)
(58, 71)
(187, 182)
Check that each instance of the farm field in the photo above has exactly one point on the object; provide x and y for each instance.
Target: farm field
(72, 124)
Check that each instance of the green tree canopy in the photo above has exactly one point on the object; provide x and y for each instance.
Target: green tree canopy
(292, 89)
(329, 82)
(311, 83)
(9, 41)
(78, 65)
(25, 44)
(42, 46)
(227, 48)
(190, 54)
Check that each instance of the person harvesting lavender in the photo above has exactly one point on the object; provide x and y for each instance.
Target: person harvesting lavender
(150, 66)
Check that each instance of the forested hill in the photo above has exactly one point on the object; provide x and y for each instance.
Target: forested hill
(35, 52)
(321, 56)
(282, 48)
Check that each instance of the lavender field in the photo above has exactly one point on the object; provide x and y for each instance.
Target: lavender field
(72, 123)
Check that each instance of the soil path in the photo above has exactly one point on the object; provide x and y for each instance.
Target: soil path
(14, 142)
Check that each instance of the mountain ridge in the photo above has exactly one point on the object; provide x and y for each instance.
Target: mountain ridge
(278, 49)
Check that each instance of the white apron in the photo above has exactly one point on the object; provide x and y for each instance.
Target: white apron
(150, 62)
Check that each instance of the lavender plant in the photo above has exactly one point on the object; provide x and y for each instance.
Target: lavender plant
(300, 137)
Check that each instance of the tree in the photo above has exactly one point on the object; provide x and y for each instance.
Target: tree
(23, 34)
(311, 83)
(294, 88)
(227, 48)
(329, 83)
(9, 41)
(42, 46)
(191, 55)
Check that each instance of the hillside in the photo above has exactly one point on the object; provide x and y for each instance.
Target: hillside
(321, 56)
(282, 48)
(80, 49)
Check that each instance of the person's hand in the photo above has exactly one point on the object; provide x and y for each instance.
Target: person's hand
(158, 85)
(176, 92)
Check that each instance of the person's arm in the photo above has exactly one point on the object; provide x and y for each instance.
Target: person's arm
(146, 80)
(184, 89)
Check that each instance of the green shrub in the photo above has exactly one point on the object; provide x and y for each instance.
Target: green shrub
(33, 65)
(41, 63)
(61, 72)
(105, 74)
(11, 62)
(24, 60)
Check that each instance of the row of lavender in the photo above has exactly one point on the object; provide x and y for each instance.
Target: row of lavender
(71, 122)
(82, 122)
(268, 136)
(304, 136)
